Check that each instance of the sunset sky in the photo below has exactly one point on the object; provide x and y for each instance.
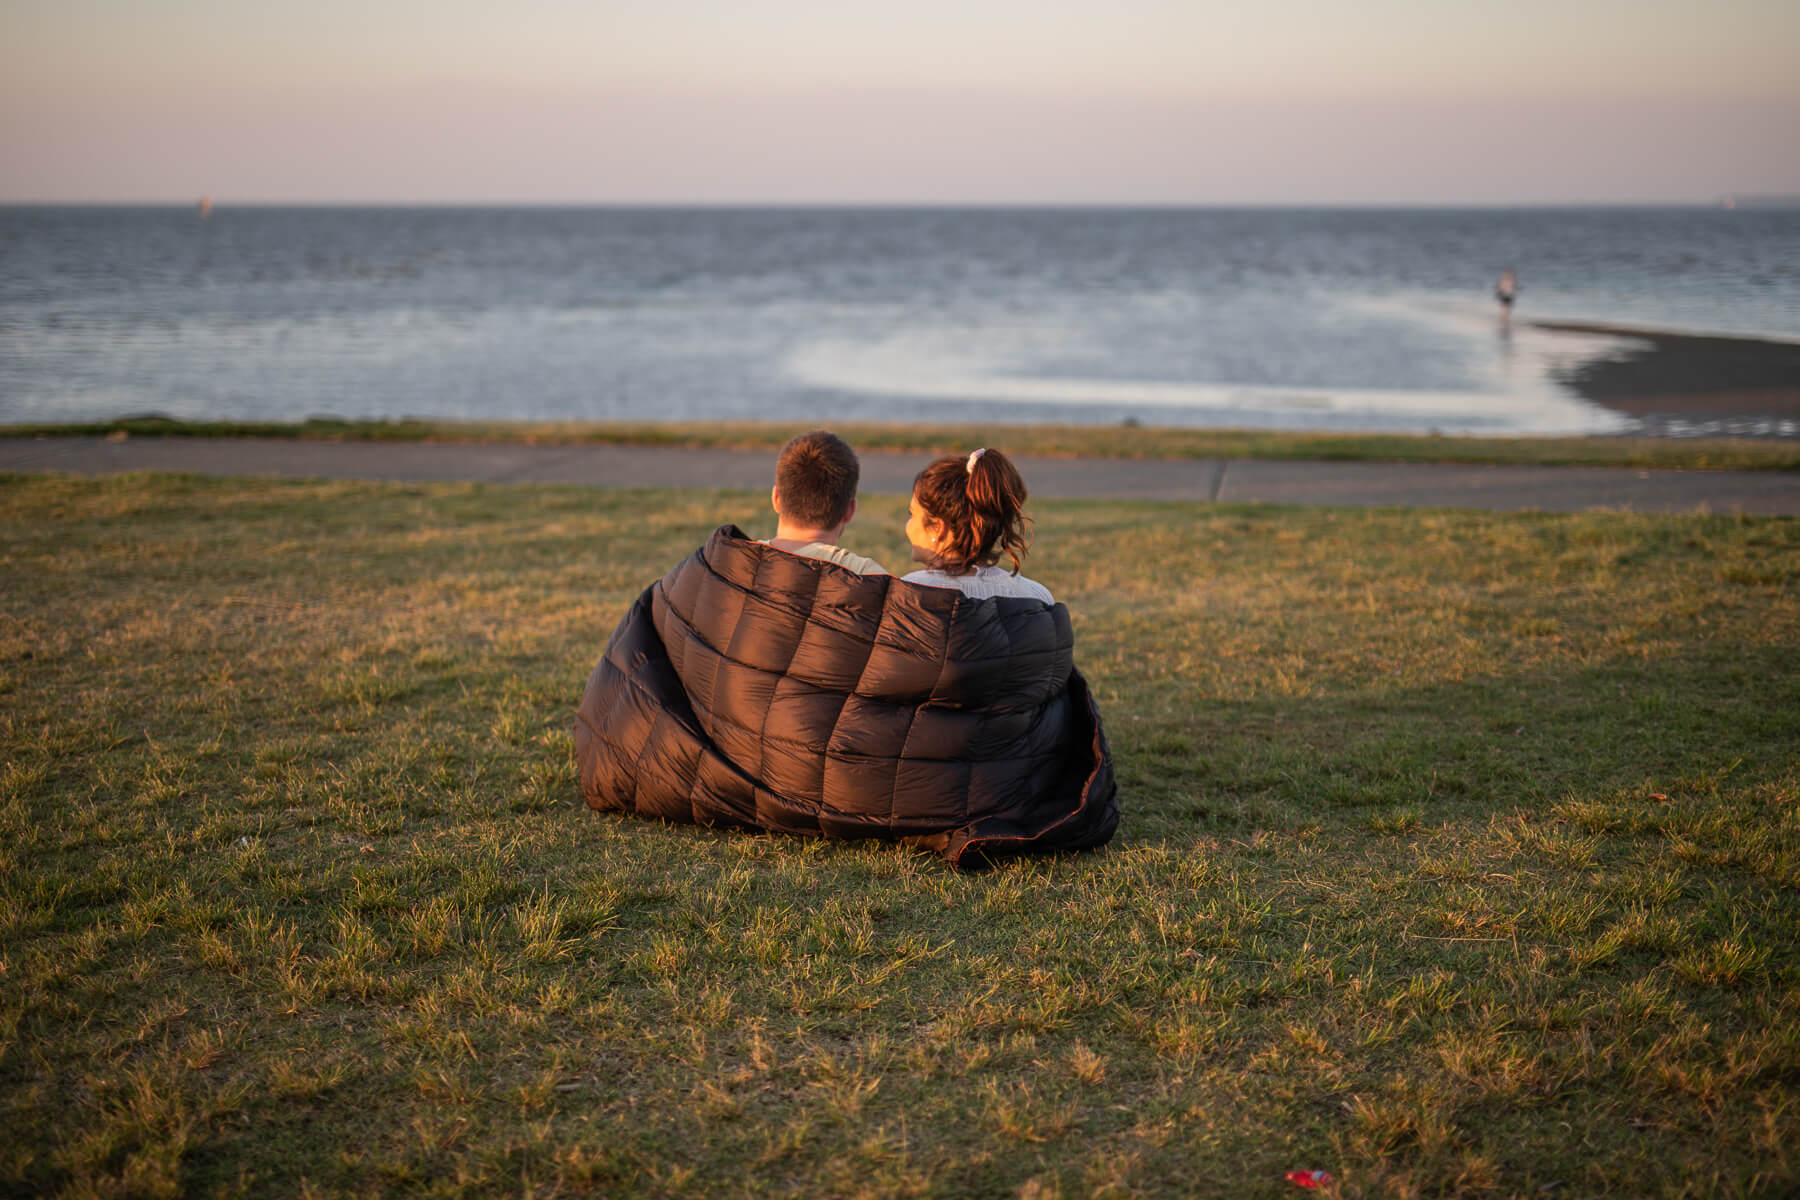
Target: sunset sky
(930, 101)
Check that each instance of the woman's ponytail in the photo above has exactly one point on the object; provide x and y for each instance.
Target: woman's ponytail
(980, 500)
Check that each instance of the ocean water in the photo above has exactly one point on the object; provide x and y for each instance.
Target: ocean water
(1286, 319)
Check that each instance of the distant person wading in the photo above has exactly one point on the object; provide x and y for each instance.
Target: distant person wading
(1506, 288)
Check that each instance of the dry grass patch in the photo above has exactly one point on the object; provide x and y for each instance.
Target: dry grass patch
(1459, 857)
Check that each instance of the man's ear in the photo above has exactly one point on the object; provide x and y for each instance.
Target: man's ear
(851, 515)
(775, 499)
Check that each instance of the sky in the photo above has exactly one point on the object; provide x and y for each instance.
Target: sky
(922, 102)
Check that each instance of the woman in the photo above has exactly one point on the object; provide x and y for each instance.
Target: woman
(965, 513)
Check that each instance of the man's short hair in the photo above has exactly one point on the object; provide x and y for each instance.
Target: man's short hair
(816, 476)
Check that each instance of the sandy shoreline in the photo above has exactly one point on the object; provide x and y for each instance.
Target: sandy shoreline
(1670, 379)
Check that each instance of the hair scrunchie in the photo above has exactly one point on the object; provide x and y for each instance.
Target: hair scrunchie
(969, 467)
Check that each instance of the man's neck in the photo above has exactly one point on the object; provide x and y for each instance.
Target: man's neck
(797, 536)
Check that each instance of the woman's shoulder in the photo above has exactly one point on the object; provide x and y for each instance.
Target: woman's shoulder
(983, 583)
(1019, 585)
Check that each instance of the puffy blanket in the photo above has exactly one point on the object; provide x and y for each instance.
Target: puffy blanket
(755, 689)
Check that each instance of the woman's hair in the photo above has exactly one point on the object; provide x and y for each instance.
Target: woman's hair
(980, 500)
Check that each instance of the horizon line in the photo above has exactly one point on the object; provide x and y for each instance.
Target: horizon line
(1721, 201)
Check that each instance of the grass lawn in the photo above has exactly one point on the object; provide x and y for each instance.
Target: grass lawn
(1114, 441)
(1460, 856)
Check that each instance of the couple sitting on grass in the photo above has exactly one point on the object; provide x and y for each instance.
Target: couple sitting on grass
(965, 512)
(793, 686)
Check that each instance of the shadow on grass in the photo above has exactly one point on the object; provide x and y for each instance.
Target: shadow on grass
(1393, 759)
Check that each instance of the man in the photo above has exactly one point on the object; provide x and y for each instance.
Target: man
(815, 499)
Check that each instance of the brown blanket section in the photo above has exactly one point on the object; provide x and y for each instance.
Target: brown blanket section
(754, 689)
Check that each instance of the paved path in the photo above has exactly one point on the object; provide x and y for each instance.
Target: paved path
(1564, 489)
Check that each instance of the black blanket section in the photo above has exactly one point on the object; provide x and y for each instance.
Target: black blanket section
(754, 689)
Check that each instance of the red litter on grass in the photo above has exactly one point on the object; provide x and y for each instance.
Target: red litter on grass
(1309, 1179)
